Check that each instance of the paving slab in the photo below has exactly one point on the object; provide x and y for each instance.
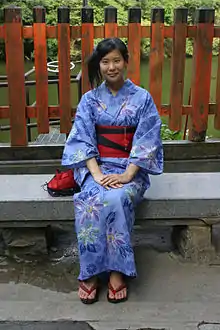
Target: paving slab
(209, 326)
(57, 325)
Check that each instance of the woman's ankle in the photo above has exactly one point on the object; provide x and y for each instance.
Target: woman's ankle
(91, 280)
(116, 277)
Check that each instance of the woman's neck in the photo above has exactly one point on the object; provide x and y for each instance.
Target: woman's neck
(115, 87)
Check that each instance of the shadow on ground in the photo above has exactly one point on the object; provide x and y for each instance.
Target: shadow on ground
(58, 270)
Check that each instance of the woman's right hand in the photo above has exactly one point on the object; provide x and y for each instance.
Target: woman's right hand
(99, 177)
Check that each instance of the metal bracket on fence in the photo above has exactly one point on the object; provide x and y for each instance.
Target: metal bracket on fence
(54, 66)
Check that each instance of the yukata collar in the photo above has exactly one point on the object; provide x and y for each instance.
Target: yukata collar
(127, 89)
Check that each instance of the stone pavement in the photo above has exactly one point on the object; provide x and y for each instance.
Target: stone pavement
(169, 294)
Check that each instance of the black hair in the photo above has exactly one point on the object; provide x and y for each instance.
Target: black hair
(103, 48)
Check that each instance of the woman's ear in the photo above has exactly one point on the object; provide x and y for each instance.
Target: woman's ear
(126, 64)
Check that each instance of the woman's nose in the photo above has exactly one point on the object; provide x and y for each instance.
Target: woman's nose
(111, 66)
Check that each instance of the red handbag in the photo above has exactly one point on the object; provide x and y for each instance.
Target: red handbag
(62, 184)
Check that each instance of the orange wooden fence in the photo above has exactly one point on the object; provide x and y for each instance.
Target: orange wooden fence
(203, 32)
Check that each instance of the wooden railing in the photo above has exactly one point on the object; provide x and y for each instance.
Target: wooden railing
(203, 32)
(52, 80)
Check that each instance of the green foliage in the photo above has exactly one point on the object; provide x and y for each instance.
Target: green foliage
(167, 134)
(98, 5)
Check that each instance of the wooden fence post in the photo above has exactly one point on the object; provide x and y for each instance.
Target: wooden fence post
(87, 18)
(217, 114)
(157, 55)
(134, 44)
(201, 74)
(15, 75)
(178, 68)
(64, 68)
(40, 58)
(111, 27)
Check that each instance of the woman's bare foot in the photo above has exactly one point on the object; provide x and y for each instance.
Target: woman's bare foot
(116, 282)
(88, 289)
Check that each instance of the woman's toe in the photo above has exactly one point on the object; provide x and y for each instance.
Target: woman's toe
(92, 295)
(121, 294)
(111, 295)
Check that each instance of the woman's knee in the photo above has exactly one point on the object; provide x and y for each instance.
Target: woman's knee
(115, 196)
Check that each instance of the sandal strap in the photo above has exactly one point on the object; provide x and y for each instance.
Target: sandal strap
(118, 289)
(87, 290)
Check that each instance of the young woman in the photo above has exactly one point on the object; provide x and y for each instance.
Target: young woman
(113, 146)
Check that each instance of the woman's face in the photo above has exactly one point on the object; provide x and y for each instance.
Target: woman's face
(112, 67)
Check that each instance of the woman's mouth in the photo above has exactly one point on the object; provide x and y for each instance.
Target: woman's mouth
(112, 75)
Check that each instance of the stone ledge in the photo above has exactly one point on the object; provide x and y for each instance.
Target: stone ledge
(171, 196)
(59, 210)
(168, 186)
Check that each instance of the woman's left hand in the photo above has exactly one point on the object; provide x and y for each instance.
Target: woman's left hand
(114, 179)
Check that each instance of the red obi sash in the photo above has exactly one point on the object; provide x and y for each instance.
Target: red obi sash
(114, 141)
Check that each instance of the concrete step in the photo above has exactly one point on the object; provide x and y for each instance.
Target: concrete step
(53, 137)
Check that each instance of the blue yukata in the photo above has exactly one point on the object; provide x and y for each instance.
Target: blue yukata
(104, 218)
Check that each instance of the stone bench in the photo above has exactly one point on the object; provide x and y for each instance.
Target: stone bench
(175, 199)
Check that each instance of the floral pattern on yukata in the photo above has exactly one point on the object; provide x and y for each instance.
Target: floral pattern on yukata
(104, 218)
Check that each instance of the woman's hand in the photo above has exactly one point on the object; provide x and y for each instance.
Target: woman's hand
(100, 178)
(111, 180)
(116, 179)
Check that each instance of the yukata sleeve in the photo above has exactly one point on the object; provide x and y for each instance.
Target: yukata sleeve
(147, 148)
(81, 143)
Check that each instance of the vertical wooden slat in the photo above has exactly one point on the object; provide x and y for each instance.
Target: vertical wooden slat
(134, 43)
(202, 74)
(178, 68)
(64, 69)
(217, 115)
(111, 27)
(157, 55)
(15, 72)
(40, 57)
(87, 17)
